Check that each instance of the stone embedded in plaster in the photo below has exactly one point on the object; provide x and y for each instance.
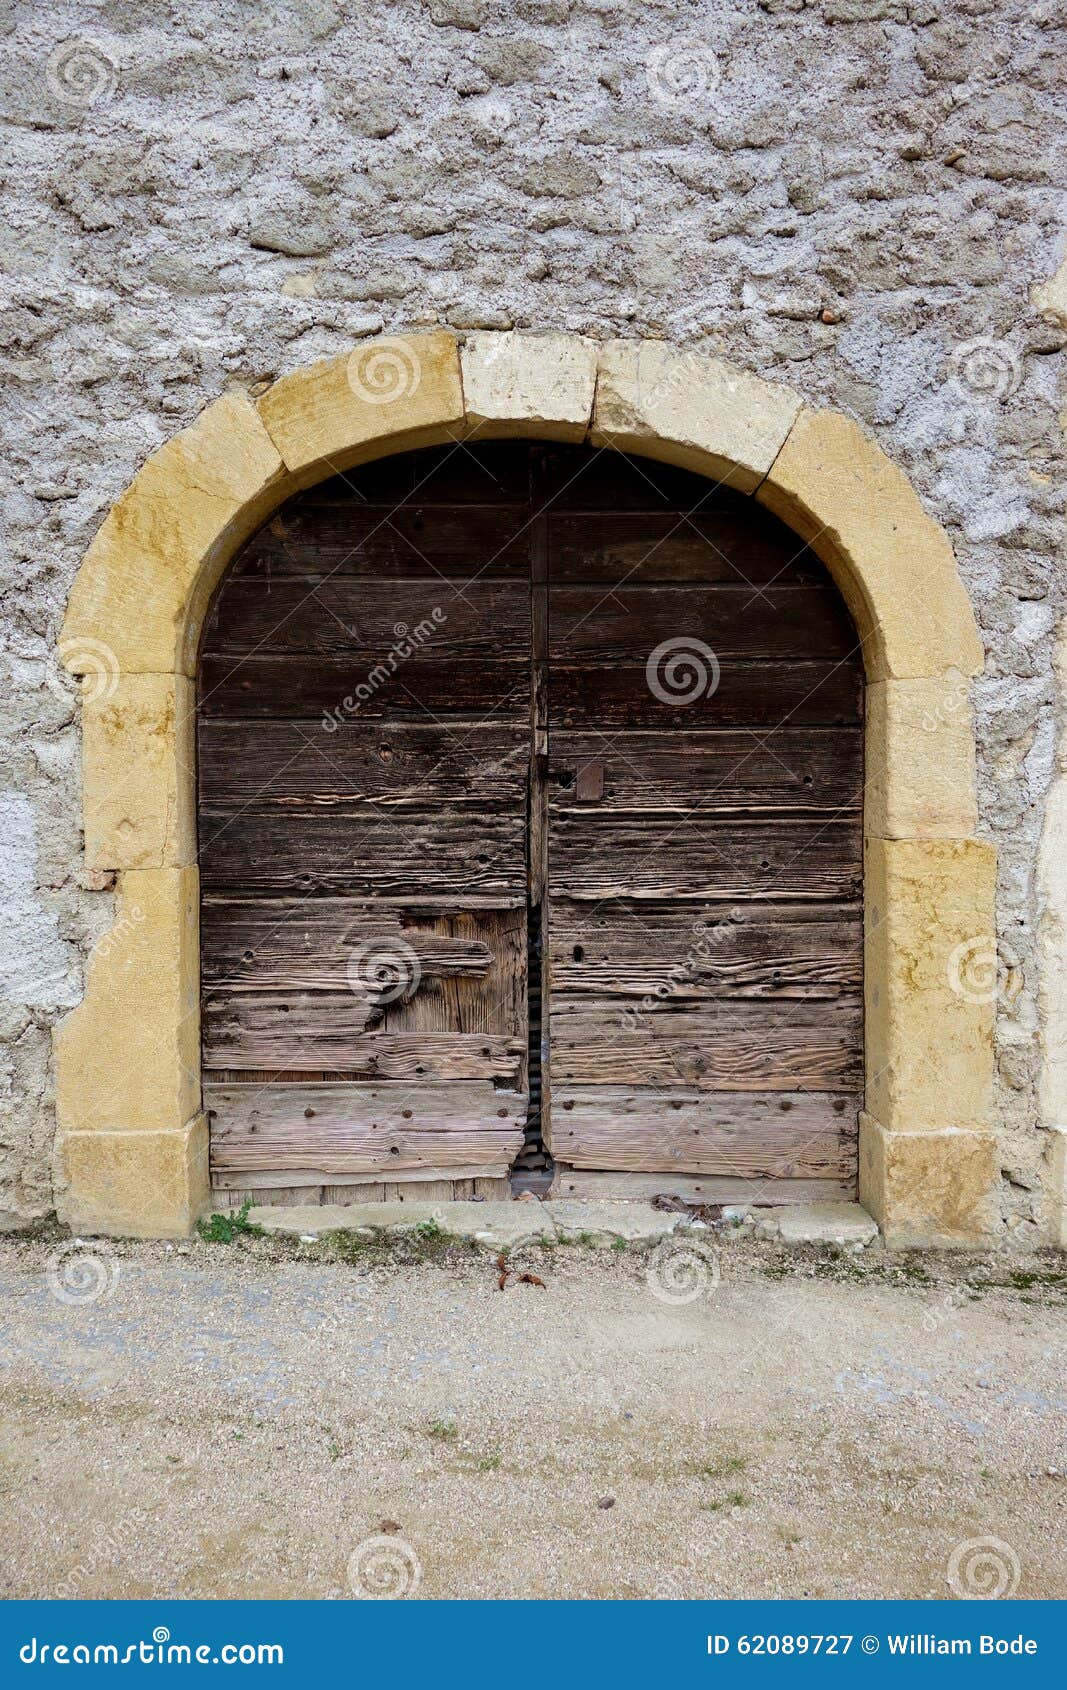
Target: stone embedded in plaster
(893, 563)
(528, 385)
(135, 1184)
(930, 977)
(139, 599)
(139, 774)
(386, 395)
(128, 1058)
(919, 760)
(691, 409)
(1056, 1186)
(929, 1188)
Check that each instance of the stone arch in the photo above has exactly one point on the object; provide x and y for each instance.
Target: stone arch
(132, 1141)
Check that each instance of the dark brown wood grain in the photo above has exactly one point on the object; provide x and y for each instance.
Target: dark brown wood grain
(425, 709)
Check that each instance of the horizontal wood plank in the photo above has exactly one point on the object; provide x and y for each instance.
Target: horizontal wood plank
(760, 694)
(363, 620)
(350, 763)
(307, 1034)
(751, 1135)
(792, 770)
(709, 545)
(364, 689)
(596, 854)
(346, 1128)
(622, 623)
(712, 1046)
(424, 854)
(612, 954)
(604, 1185)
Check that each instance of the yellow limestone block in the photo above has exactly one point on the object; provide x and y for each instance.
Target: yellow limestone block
(135, 1184)
(930, 982)
(387, 395)
(140, 596)
(139, 763)
(538, 386)
(920, 760)
(892, 561)
(691, 409)
(929, 1188)
(128, 1057)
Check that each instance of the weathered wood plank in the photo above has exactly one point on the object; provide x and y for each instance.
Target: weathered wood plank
(760, 694)
(429, 541)
(617, 624)
(364, 688)
(599, 854)
(791, 771)
(611, 954)
(305, 1033)
(350, 1188)
(337, 1129)
(434, 854)
(353, 763)
(706, 546)
(345, 944)
(604, 1186)
(335, 614)
(795, 1135)
(711, 1046)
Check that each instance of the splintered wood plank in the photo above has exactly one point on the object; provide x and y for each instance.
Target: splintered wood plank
(598, 854)
(796, 1135)
(370, 687)
(716, 1188)
(352, 1188)
(712, 1046)
(462, 970)
(345, 1128)
(346, 764)
(613, 952)
(617, 624)
(709, 545)
(337, 614)
(758, 695)
(307, 1034)
(432, 854)
(786, 772)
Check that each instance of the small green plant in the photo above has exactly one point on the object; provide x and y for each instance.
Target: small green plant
(618, 1244)
(734, 1464)
(429, 1231)
(490, 1463)
(223, 1229)
(443, 1429)
(711, 1507)
(737, 1499)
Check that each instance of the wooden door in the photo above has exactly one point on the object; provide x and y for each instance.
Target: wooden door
(704, 844)
(483, 723)
(364, 726)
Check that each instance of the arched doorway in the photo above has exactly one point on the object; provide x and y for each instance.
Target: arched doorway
(132, 1141)
(530, 828)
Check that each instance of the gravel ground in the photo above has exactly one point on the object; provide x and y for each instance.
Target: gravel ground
(236, 1420)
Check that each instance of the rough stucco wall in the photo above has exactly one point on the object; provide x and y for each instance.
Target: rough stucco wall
(843, 194)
